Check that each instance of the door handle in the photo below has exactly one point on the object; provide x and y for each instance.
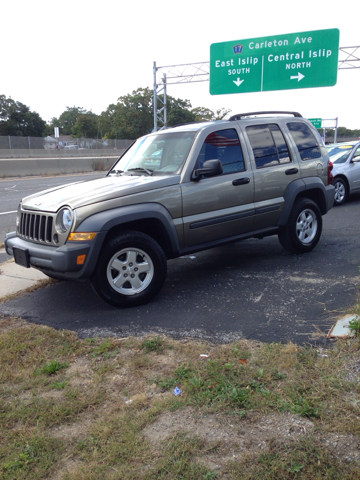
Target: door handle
(241, 181)
(291, 171)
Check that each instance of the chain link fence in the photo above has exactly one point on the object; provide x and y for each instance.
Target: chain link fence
(49, 143)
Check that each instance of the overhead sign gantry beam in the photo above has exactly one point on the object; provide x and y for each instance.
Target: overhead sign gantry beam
(349, 57)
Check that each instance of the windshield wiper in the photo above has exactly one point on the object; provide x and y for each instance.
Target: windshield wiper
(140, 169)
(116, 171)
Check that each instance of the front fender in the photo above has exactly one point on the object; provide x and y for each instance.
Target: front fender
(106, 220)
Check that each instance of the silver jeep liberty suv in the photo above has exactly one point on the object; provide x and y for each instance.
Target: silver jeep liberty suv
(175, 192)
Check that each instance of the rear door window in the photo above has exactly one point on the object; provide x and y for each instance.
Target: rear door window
(305, 140)
(268, 144)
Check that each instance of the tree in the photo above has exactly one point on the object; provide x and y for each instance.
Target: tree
(220, 113)
(133, 115)
(178, 111)
(203, 114)
(67, 120)
(346, 132)
(16, 119)
(87, 125)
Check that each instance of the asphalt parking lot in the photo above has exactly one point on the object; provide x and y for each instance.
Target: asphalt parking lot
(252, 289)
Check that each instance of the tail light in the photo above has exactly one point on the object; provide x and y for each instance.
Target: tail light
(330, 175)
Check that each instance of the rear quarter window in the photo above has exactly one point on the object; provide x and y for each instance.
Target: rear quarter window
(305, 140)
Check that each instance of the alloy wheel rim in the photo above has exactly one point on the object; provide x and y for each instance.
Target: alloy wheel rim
(130, 271)
(339, 192)
(306, 226)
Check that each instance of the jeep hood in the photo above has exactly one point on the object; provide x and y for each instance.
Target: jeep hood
(93, 191)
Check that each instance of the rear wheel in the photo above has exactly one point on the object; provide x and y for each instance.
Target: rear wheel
(303, 230)
(341, 191)
(130, 271)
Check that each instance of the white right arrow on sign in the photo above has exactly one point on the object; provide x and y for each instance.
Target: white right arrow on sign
(299, 77)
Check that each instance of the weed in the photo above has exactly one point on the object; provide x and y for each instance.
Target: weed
(166, 384)
(52, 367)
(105, 347)
(58, 385)
(155, 344)
(90, 340)
(184, 372)
(354, 326)
(309, 460)
(29, 457)
(104, 368)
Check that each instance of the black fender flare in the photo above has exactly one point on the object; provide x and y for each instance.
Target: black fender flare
(296, 189)
(108, 219)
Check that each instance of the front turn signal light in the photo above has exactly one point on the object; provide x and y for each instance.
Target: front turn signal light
(81, 259)
(81, 236)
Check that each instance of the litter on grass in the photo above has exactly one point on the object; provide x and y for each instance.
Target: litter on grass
(177, 391)
(341, 328)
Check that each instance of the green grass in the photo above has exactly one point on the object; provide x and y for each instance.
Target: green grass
(156, 344)
(30, 456)
(93, 408)
(52, 367)
(309, 460)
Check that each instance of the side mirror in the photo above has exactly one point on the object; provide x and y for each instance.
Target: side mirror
(356, 159)
(210, 168)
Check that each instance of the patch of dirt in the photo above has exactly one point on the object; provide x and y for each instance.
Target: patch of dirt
(69, 466)
(73, 431)
(80, 372)
(9, 323)
(235, 437)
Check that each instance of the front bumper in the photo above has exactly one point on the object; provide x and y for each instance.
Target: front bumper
(61, 262)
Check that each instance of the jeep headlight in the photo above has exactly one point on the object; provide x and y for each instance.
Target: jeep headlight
(64, 220)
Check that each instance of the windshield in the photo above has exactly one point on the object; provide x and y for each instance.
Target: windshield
(340, 153)
(156, 154)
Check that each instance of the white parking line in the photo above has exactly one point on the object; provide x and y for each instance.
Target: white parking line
(5, 213)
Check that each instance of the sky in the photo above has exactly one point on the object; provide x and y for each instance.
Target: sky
(89, 53)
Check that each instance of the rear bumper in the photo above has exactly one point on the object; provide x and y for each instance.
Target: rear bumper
(61, 262)
(329, 197)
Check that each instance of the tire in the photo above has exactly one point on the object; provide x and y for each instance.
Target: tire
(303, 230)
(341, 191)
(130, 271)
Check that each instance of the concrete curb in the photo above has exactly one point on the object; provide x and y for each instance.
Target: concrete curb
(14, 279)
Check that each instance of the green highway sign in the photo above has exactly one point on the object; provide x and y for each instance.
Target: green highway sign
(317, 122)
(281, 62)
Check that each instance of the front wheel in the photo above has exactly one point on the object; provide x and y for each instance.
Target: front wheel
(303, 230)
(130, 271)
(341, 191)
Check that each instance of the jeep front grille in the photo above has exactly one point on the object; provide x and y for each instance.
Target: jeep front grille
(36, 227)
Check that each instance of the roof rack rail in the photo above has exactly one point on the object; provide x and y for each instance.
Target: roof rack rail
(188, 123)
(239, 116)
